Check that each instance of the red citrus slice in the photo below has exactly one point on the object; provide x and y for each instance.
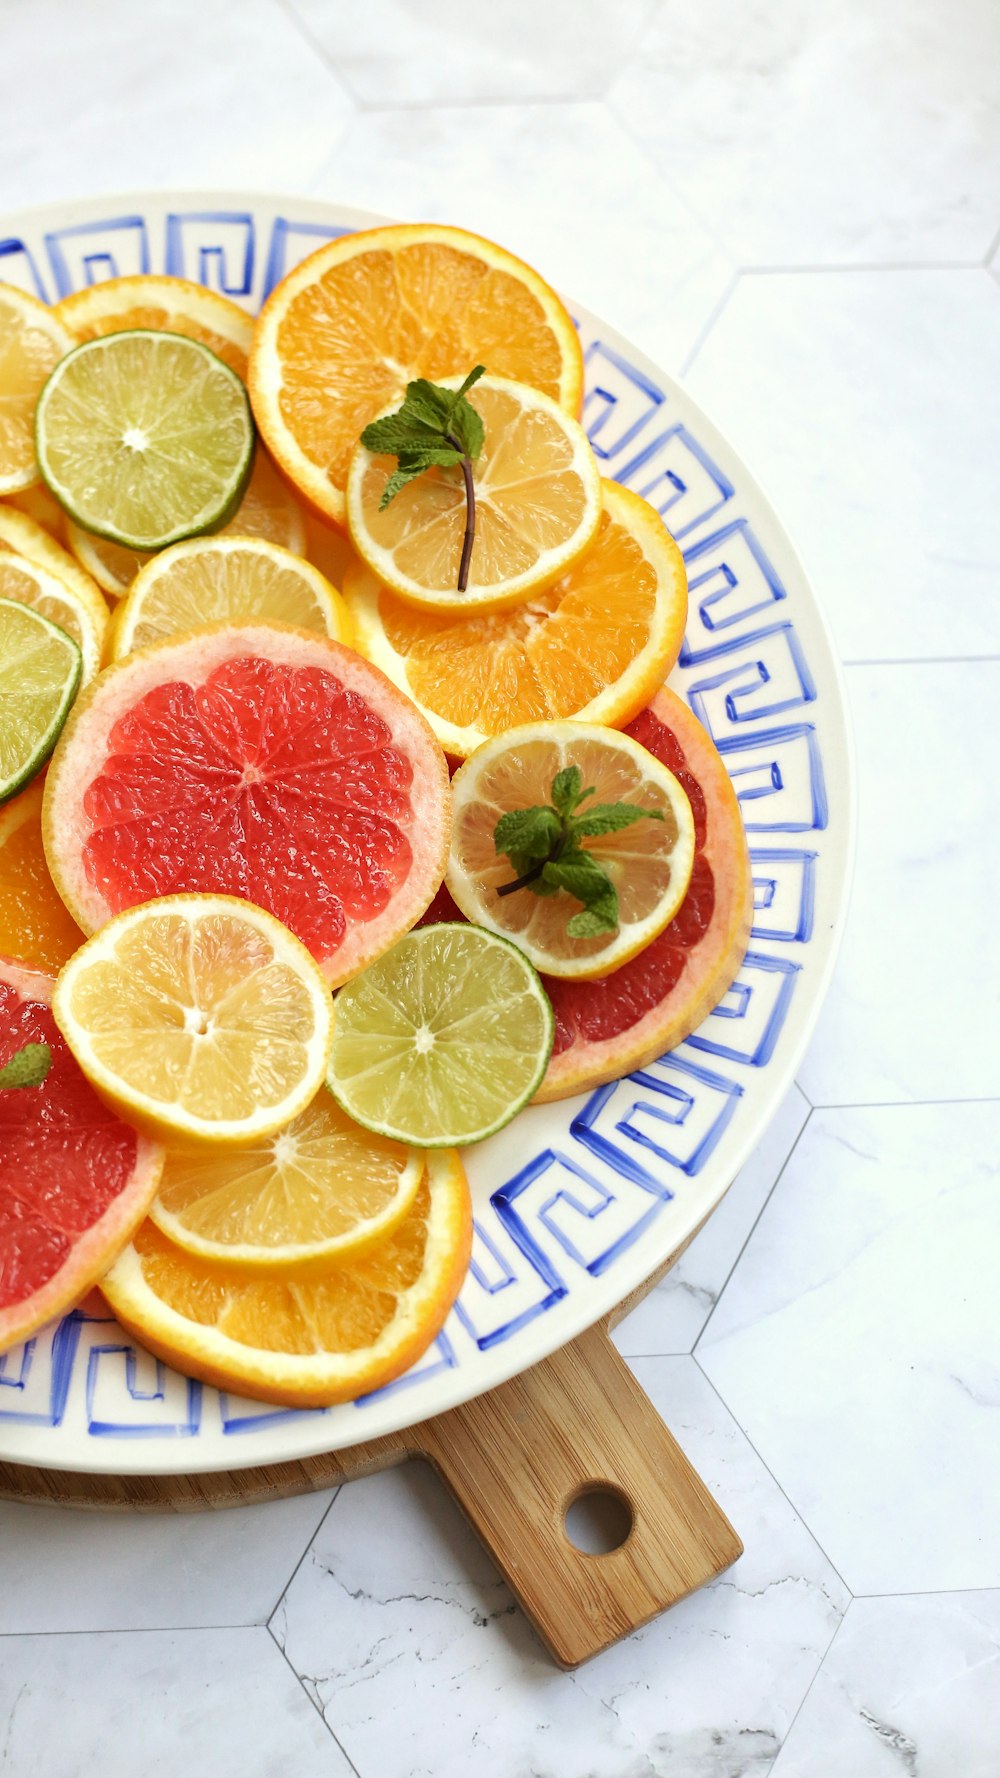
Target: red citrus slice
(75, 1182)
(259, 761)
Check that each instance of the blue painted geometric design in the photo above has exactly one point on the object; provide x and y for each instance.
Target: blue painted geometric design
(620, 400)
(290, 243)
(38, 1375)
(746, 1024)
(237, 1414)
(214, 247)
(677, 476)
(122, 1380)
(674, 1108)
(769, 677)
(501, 1294)
(784, 894)
(91, 252)
(588, 1219)
(17, 267)
(730, 581)
(778, 778)
(440, 1357)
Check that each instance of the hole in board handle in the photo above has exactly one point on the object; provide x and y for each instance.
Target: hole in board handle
(598, 1520)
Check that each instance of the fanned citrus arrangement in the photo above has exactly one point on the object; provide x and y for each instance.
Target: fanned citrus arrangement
(267, 967)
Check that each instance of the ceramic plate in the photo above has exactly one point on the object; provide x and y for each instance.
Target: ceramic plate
(576, 1203)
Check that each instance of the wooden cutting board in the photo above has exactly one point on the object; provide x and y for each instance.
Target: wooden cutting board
(515, 1459)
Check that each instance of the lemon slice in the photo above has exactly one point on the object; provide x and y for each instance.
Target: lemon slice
(199, 1017)
(145, 437)
(32, 585)
(441, 1041)
(649, 863)
(229, 579)
(40, 669)
(305, 1342)
(538, 505)
(32, 342)
(322, 1189)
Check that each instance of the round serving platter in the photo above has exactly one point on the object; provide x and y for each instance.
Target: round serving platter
(576, 1203)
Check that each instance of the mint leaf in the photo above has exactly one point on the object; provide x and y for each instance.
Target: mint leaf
(600, 916)
(531, 833)
(28, 1068)
(566, 792)
(434, 428)
(611, 818)
(580, 875)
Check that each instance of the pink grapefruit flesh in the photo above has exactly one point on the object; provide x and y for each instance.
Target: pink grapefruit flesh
(75, 1181)
(258, 761)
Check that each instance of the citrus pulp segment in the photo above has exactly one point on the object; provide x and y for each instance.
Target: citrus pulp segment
(74, 1180)
(144, 437)
(594, 647)
(537, 498)
(443, 1040)
(32, 341)
(253, 760)
(607, 1028)
(198, 1017)
(35, 925)
(40, 667)
(322, 1189)
(229, 579)
(648, 863)
(29, 584)
(163, 305)
(341, 336)
(22, 535)
(37, 504)
(309, 1342)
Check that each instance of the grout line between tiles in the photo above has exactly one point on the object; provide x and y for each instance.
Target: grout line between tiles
(928, 1592)
(993, 247)
(708, 325)
(904, 1104)
(302, 30)
(408, 106)
(314, 1703)
(928, 660)
(821, 1664)
(785, 1496)
(777, 1180)
(312, 1539)
(889, 265)
(129, 1630)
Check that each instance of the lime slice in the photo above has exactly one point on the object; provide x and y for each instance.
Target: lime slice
(40, 669)
(145, 437)
(441, 1041)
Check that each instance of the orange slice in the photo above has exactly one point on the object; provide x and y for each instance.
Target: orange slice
(41, 506)
(32, 341)
(538, 505)
(649, 863)
(174, 305)
(343, 334)
(268, 509)
(34, 923)
(595, 647)
(312, 1342)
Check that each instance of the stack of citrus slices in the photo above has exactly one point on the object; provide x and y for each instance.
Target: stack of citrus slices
(344, 807)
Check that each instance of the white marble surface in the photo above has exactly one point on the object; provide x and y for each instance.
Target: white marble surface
(835, 1324)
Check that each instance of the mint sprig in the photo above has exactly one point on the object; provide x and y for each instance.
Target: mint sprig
(28, 1068)
(544, 846)
(435, 428)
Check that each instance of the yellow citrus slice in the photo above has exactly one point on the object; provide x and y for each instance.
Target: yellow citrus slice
(319, 1190)
(228, 579)
(32, 585)
(649, 862)
(305, 1342)
(172, 305)
(28, 536)
(538, 506)
(32, 341)
(198, 1017)
(595, 647)
(339, 339)
(41, 506)
(268, 509)
(35, 925)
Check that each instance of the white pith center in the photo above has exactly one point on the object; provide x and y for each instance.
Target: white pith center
(196, 1022)
(423, 1040)
(135, 438)
(285, 1149)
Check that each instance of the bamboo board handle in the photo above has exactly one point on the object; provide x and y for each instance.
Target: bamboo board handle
(516, 1459)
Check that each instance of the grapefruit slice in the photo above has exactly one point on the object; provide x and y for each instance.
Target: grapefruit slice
(75, 1182)
(259, 761)
(607, 1028)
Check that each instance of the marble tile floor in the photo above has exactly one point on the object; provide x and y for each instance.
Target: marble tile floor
(797, 208)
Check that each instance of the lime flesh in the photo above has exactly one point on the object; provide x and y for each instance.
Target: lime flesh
(40, 668)
(441, 1042)
(145, 437)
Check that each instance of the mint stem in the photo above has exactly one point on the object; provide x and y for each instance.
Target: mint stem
(470, 514)
(532, 875)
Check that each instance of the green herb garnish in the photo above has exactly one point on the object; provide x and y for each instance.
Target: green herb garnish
(28, 1067)
(435, 428)
(543, 845)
